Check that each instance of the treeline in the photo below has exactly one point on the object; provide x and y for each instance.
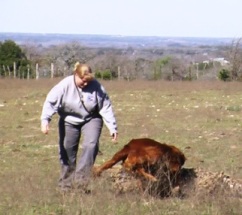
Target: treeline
(173, 63)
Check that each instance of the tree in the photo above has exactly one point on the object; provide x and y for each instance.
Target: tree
(158, 67)
(235, 57)
(64, 56)
(11, 53)
(142, 67)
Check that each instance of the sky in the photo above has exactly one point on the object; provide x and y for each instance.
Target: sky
(172, 18)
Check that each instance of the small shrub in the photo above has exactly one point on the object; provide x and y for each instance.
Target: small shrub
(224, 75)
(236, 108)
(105, 74)
(98, 75)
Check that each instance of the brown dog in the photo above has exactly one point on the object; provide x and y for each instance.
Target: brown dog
(145, 157)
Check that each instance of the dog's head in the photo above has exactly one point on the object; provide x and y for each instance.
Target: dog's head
(176, 159)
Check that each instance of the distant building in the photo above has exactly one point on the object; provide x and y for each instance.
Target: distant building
(206, 62)
(221, 60)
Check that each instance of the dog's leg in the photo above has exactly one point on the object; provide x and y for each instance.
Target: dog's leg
(148, 176)
(106, 165)
(119, 156)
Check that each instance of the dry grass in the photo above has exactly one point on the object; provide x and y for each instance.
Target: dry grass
(201, 118)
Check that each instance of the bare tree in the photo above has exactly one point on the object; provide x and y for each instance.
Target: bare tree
(235, 57)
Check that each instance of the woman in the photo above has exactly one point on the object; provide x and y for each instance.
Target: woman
(83, 106)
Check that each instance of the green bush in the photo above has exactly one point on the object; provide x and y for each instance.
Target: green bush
(98, 75)
(224, 75)
(105, 74)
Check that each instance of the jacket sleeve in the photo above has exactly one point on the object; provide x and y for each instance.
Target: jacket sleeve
(106, 110)
(52, 103)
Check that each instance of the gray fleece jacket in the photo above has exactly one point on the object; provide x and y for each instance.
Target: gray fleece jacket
(76, 105)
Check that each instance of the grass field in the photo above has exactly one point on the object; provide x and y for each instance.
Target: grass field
(204, 119)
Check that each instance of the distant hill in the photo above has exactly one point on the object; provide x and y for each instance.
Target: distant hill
(113, 41)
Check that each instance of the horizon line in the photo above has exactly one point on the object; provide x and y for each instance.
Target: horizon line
(118, 35)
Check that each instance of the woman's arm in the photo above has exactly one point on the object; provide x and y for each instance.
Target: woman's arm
(51, 105)
(106, 111)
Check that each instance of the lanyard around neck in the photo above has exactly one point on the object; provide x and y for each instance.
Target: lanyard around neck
(79, 91)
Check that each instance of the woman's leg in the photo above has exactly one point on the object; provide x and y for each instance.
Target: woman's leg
(91, 132)
(69, 136)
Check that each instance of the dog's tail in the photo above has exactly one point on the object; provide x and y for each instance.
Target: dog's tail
(119, 156)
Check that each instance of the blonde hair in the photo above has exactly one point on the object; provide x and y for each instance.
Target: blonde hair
(83, 73)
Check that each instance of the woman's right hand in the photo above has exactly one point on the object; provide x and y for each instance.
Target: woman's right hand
(115, 137)
(45, 128)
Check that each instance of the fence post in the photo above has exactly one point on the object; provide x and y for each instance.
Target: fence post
(197, 71)
(37, 71)
(19, 73)
(4, 69)
(52, 70)
(14, 69)
(118, 72)
(9, 72)
(64, 73)
(28, 71)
